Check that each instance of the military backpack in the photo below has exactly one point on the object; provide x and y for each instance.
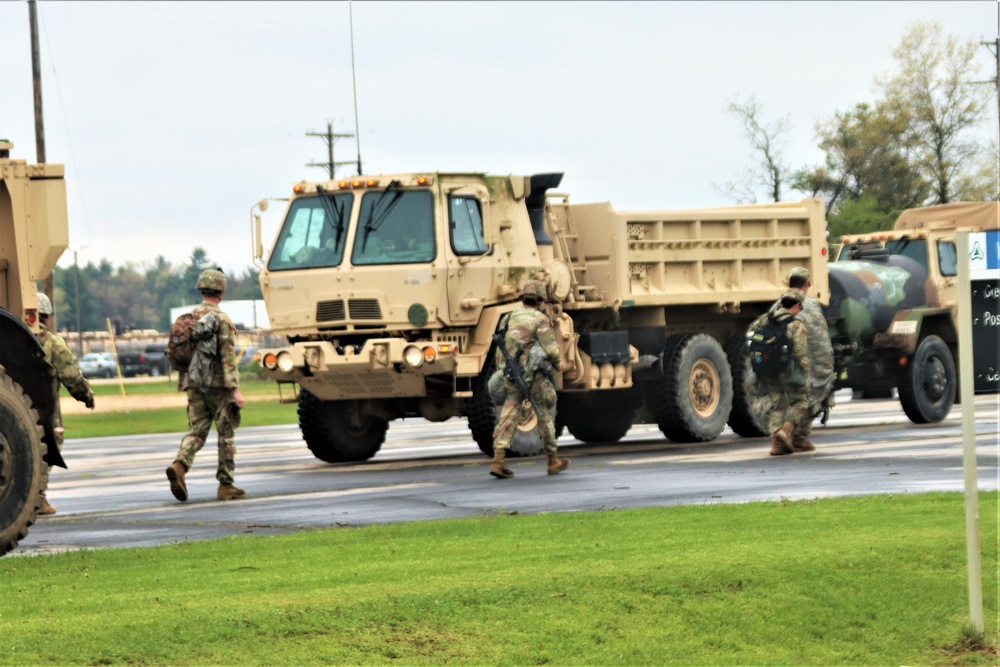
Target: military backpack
(768, 345)
(180, 345)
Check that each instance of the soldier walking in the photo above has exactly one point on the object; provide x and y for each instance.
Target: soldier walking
(212, 383)
(65, 371)
(527, 326)
(787, 392)
(820, 385)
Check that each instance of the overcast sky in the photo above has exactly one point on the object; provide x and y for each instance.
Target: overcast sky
(174, 118)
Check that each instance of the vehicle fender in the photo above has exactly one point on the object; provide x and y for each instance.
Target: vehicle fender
(23, 359)
(909, 327)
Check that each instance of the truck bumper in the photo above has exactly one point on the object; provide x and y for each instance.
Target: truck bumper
(382, 368)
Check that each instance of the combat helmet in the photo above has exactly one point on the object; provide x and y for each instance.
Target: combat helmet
(44, 304)
(211, 279)
(534, 288)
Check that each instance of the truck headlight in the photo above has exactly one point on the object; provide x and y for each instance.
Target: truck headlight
(413, 356)
(285, 363)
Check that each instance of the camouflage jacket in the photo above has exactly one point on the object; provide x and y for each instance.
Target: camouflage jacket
(65, 369)
(214, 364)
(820, 349)
(525, 327)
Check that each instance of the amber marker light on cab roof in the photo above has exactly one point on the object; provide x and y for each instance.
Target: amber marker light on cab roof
(423, 180)
(298, 188)
(343, 185)
(371, 182)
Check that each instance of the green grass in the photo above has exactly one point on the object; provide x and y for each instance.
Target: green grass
(877, 580)
(168, 420)
(99, 424)
(248, 387)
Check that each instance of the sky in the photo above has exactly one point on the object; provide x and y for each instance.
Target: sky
(174, 118)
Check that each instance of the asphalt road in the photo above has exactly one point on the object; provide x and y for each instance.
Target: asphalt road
(115, 493)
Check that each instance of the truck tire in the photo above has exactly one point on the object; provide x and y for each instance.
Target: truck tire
(481, 411)
(23, 472)
(597, 416)
(154, 371)
(743, 419)
(330, 434)
(927, 385)
(693, 399)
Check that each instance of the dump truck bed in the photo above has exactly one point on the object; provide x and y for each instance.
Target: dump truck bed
(712, 256)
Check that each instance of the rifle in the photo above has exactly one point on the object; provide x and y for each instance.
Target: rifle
(513, 372)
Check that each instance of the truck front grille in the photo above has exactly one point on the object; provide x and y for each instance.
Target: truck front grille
(365, 309)
(330, 311)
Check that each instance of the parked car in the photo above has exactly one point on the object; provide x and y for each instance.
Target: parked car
(151, 361)
(98, 364)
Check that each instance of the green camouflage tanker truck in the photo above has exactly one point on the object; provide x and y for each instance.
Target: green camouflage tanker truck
(389, 288)
(33, 234)
(893, 308)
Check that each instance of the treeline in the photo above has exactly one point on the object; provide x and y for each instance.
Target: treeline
(136, 296)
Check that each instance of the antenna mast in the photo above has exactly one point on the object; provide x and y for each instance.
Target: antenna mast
(354, 80)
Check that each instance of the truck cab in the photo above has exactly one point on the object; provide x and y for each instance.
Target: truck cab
(927, 235)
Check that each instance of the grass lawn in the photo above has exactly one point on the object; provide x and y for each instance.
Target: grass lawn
(142, 420)
(877, 580)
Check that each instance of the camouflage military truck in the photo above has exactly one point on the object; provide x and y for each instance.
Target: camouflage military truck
(389, 289)
(893, 309)
(33, 234)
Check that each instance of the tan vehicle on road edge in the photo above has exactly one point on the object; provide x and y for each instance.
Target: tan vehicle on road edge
(389, 288)
(33, 234)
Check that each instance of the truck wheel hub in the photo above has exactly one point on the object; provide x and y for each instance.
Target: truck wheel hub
(936, 379)
(703, 388)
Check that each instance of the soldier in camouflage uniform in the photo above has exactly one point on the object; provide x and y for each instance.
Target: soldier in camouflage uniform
(64, 370)
(527, 326)
(788, 393)
(820, 360)
(212, 383)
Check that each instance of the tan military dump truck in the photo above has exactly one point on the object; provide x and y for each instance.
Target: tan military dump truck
(389, 288)
(33, 234)
(893, 309)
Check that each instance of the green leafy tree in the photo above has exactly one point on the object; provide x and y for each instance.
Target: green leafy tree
(867, 156)
(932, 90)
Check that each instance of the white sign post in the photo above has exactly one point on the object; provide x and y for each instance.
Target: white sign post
(968, 394)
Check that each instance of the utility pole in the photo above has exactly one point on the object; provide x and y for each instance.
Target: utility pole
(36, 78)
(329, 137)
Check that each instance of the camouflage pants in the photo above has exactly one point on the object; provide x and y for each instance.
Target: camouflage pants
(544, 393)
(205, 407)
(788, 404)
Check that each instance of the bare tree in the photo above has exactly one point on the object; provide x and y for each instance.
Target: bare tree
(767, 140)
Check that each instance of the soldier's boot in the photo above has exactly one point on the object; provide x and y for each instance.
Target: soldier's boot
(228, 491)
(556, 464)
(499, 469)
(175, 473)
(45, 509)
(801, 443)
(781, 441)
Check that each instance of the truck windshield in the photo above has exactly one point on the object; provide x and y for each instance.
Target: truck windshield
(912, 248)
(313, 233)
(398, 228)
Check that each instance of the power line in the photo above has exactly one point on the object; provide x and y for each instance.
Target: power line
(329, 137)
